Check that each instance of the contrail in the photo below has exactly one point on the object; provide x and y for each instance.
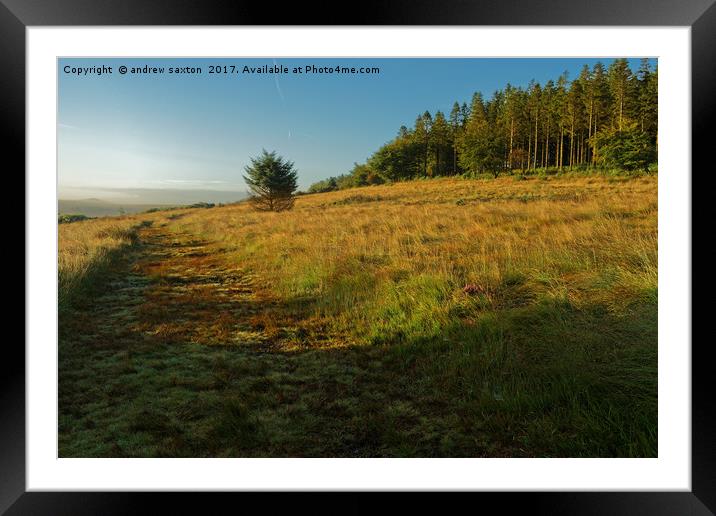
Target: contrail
(278, 86)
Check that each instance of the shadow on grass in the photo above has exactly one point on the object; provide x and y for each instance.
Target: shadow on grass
(549, 379)
(78, 291)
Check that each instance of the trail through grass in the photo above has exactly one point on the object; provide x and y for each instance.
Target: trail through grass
(393, 321)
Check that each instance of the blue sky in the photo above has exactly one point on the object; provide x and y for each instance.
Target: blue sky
(198, 131)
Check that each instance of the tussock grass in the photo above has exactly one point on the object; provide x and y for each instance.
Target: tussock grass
(85, 250)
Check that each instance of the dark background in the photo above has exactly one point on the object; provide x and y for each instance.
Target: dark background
(15, 15)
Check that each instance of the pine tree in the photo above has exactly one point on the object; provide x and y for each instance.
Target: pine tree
(548, 98)
(602, 101)
(455, 131)
(562, 115)
(480, 147)
(588, 98)
(619, 85)
(534, 108)
(464, 114)
(511, 122)
(474, 129)
(647, 98)
(575, 113)
(439, 140)
(272, 182)
(421, 139)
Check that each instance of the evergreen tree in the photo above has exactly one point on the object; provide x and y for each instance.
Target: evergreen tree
(511, 123)
(562, 115)
(534, 107)
(548, 97)
(272, 182)
(647, 98)
(626, 149)
(602, 100)
(480, 149)
(620, 87)
(588, 99)
(421, 139)
(456, 125)
(575, 114)
(439, 141)
(464, 114)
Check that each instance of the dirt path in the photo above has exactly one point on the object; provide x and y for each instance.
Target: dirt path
(171, 287)
(194, 296)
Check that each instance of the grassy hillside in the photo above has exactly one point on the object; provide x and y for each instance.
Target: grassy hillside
(432, 318)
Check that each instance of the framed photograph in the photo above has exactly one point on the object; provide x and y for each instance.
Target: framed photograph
(434, 248)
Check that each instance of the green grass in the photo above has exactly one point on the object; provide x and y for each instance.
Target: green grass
(520, 323)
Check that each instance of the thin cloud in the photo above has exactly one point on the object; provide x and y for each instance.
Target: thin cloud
(202, 181)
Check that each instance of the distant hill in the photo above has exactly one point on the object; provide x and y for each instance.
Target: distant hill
(100, 208)
(141, 199)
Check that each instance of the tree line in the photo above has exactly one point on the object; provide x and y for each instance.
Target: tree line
(606, 118)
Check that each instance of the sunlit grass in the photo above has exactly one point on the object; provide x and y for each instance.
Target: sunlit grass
(85, 248)
(391, 262)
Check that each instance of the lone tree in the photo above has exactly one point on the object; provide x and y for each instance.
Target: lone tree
(272, 182)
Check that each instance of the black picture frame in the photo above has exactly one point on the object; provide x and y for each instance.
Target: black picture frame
(17, 15)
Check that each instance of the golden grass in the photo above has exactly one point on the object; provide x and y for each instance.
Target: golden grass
(85, 246)
(371, 259)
